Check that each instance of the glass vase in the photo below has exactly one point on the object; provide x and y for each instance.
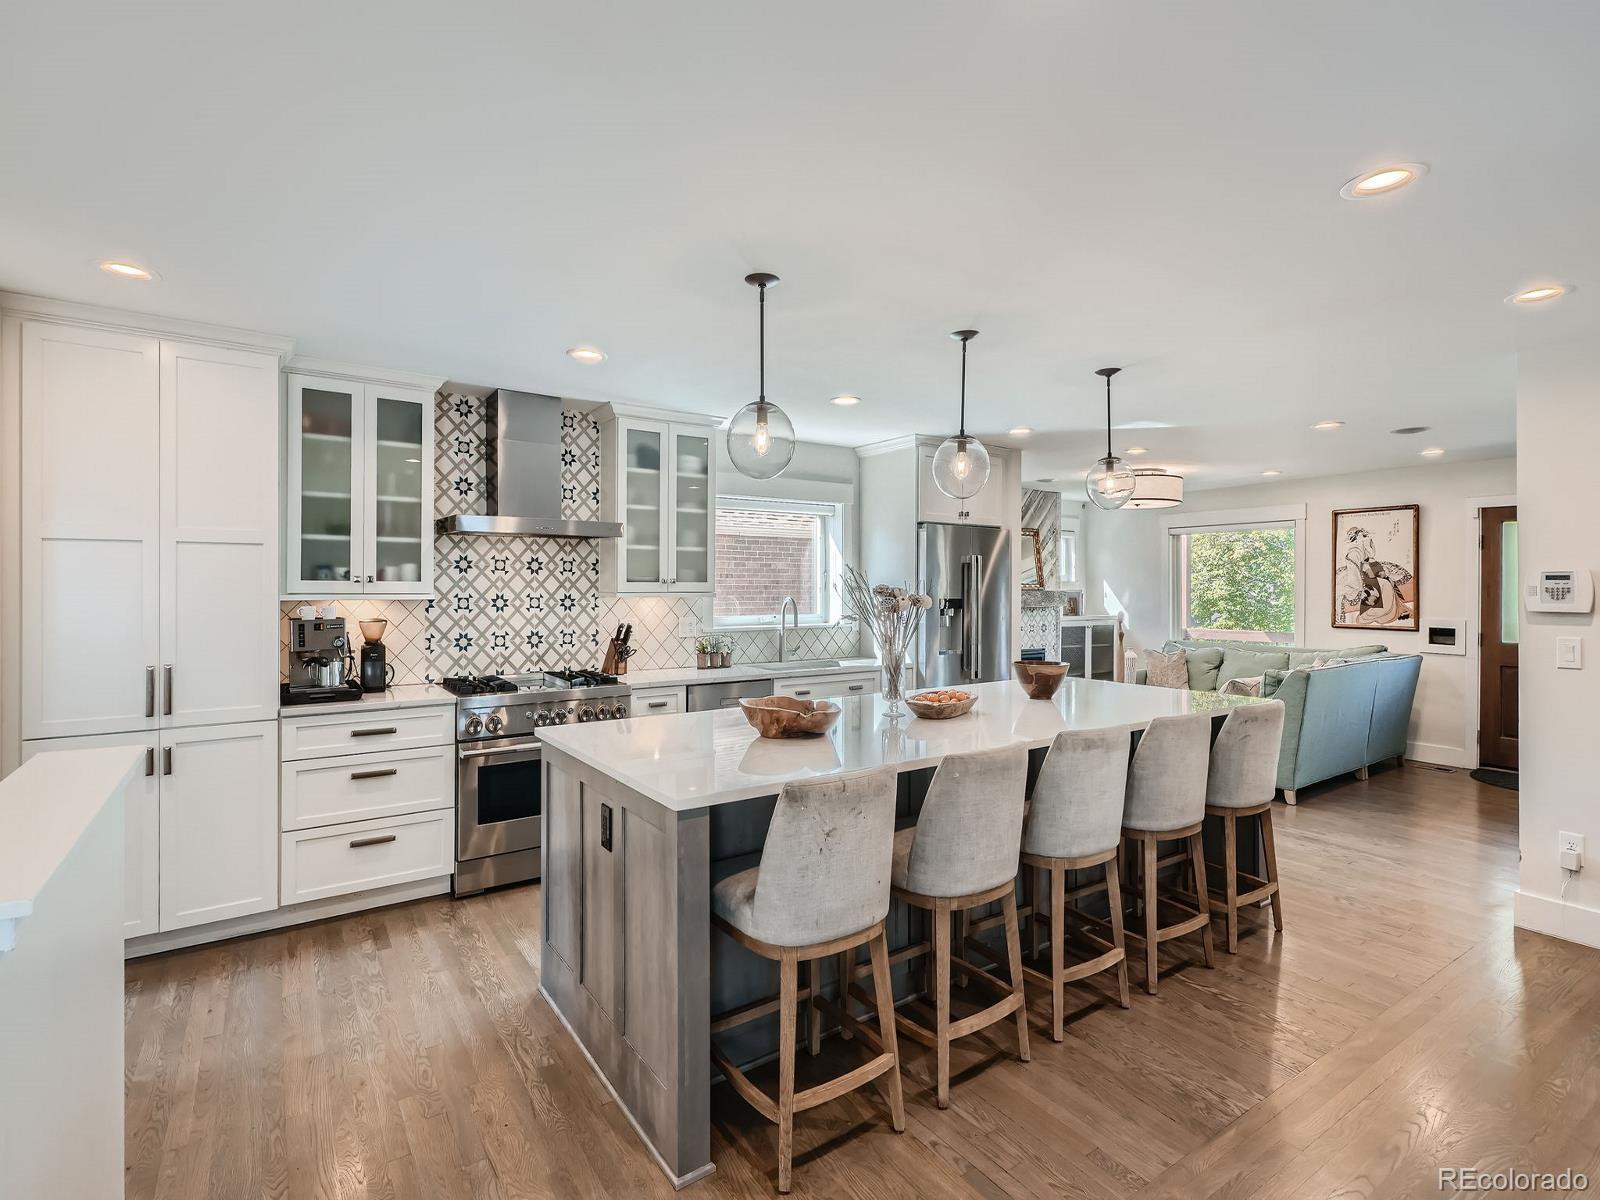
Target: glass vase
(894, 667)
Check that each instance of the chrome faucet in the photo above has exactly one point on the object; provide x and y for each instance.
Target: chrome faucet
(787, 606)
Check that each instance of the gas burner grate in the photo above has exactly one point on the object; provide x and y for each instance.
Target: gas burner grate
(476, 685)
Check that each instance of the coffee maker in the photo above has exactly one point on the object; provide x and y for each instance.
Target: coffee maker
(376, 674)
(320, 663)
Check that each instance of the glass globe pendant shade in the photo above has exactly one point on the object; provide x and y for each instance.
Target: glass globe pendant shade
(761, 440)
(960, 467)
(1109, 483)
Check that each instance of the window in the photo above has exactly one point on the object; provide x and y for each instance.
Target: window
(1236, 582)
(1067, 556)
(770, 549)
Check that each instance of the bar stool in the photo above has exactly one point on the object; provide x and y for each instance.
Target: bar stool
(962, 854)
(1244, 772)
(1167, 803)
(821, 888)
(1074, 821)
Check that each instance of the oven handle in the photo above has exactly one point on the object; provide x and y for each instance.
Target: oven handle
(535, 751)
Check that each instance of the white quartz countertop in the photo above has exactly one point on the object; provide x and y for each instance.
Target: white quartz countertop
(681, 676)
(45, 806)
(404, 695)
(695, 760)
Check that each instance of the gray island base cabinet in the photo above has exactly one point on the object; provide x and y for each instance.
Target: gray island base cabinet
(642, 816)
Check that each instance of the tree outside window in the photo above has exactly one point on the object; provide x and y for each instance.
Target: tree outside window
(1237, 584)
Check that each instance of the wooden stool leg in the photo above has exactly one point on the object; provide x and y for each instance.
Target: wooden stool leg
(788, 988)
(1147, 880)
(1230, 884)
(1197, 859)
(1114, 902)
(1034, 875)
(879, 947)
(961, 945)
(941, 1001)
(1008, 906)
(814, 1009)
(847, 963)
(1058, 951)
(1271, 850)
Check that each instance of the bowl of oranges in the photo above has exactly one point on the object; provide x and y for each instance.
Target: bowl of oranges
(941, 704)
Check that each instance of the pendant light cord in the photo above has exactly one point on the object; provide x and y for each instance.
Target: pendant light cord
(963, 432)
(761, 309)
(1108, 416)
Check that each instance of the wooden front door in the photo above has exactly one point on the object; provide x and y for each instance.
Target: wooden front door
(1501, 615)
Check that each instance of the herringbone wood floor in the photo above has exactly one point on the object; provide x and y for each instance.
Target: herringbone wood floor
(1397, 1025)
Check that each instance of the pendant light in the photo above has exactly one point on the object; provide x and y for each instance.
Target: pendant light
(1110, 482)
(961, 463)
(760, 435)
(1155, 488)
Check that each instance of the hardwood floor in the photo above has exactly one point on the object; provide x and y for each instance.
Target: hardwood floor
(1397, 1026)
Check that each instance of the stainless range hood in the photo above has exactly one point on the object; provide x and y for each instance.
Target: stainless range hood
(523, 474)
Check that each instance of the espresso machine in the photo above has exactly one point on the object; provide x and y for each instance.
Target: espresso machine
(320, 663)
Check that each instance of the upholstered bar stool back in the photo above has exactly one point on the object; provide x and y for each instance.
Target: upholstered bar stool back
(967, 833)
(1244, 773)
(1167, 803)
(1074, 823)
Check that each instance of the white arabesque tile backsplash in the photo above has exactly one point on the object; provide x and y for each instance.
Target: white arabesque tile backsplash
(518, 604)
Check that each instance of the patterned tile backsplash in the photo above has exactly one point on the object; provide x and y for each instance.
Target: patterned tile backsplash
(517, 604)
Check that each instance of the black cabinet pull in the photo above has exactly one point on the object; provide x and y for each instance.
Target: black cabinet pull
(166, 705)
(374, 774)
(149, 760)
(149, 691)
(856, 687)
(372, 841)
(373, 732)
(656, 704)
(166, 760)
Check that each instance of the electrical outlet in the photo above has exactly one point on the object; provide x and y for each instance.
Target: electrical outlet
(1571, 846)
(690, 625)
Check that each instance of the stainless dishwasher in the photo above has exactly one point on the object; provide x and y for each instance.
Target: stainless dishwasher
(706, 696)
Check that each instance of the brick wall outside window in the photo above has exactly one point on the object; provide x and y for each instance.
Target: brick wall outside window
(763, 557)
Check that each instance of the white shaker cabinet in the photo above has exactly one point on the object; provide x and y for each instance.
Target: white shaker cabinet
(358, 496)
(658, 480)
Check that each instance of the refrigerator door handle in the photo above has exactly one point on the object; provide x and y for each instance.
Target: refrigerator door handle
(969, 617)
(977, 619)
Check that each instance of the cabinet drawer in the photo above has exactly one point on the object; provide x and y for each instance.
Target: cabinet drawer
(315, 736)
(362, 855)
(819, 687)
(655, 702)
(327, 791)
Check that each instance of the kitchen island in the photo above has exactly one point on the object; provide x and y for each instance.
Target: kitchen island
(642, 816)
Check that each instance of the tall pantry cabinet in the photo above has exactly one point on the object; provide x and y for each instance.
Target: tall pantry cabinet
(142, 594)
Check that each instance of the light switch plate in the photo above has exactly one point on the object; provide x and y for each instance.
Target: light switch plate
(1569, 653)
(690, 625)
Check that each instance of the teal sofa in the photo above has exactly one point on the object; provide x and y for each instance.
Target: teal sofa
(1339, 719)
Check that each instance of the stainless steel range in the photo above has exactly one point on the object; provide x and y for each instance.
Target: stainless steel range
(499, 775)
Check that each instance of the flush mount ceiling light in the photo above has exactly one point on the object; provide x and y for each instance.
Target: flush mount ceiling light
(1155, 488)
(845, 401)
(127, 270)
(587, 354)
(1431, 452)
(1542, 294)
(961, 463)
(760, 435)
(1021, 431)
(1383, 180)
(1324, 426)
(1406, 430)
(1109, 483)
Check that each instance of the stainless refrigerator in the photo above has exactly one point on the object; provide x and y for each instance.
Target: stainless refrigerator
(966, 636)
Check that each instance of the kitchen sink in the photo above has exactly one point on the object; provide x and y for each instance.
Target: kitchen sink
(802, 664)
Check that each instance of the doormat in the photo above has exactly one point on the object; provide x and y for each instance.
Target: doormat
(1494, 778)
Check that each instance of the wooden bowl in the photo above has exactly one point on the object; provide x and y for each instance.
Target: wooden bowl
(941, 712)
(1041, 680)
(787, 717)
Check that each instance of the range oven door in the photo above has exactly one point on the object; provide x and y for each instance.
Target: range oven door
(500, 806)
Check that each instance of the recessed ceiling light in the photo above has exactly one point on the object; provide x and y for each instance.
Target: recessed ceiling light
(1431, 452)
(1324, 426)
(127, 270)
(1405, 430)
(1137, 450)
(1272, 471)
(1020, 431)
(845, 401)
(587, 354)
(1539, 295)
(1383, 180)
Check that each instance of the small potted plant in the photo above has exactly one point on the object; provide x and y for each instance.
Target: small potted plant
(724, 651)
(705, 651)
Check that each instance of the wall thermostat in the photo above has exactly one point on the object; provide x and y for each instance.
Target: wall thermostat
(1567, 590)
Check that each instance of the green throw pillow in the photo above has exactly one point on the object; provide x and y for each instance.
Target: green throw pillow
(1203, 666)
(1271, 681)
(1243, 664)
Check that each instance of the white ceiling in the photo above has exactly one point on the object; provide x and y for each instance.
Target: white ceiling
(468, 189)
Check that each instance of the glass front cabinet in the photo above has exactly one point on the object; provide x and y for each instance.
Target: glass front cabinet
(658, 478)
(358, 489)
(1092, 647)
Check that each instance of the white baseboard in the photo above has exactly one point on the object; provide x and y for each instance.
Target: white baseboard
(1558, 918)
(1444, 756)
(282, 918)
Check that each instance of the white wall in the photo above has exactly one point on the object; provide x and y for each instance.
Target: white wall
(1128, 565)
(1558, 427)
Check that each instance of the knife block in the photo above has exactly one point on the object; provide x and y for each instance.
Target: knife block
(614, 663)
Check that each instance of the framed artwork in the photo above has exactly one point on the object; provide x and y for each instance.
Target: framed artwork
(1376, 568)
